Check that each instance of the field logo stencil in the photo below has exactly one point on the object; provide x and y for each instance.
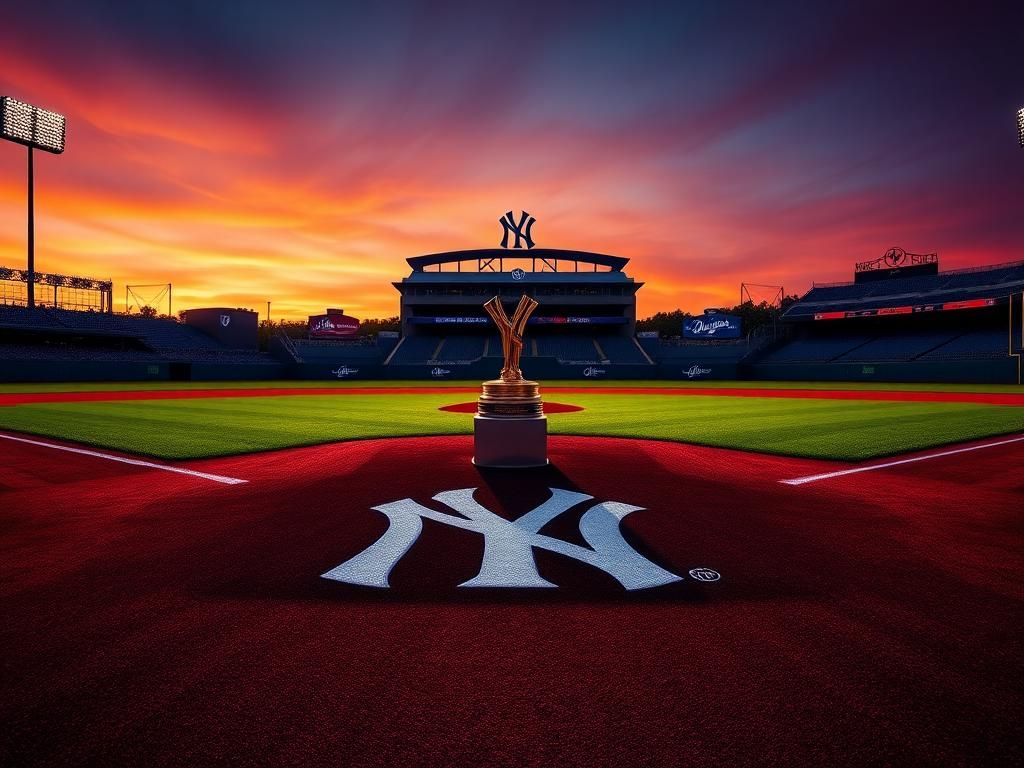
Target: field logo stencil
(508, 544)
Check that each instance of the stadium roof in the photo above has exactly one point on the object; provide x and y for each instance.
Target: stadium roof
(489, 255)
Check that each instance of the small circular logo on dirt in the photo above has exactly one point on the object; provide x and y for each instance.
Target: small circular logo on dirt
(705, 574)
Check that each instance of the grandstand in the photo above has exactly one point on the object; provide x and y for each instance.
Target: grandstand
(586, 314)
(945, 326)
(48, 343)
(901, 324)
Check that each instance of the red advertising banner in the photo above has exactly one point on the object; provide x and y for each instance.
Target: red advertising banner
(969, 304)
(332, 326)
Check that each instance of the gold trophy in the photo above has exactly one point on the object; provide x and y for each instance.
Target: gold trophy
(510, 395)
(510, 428)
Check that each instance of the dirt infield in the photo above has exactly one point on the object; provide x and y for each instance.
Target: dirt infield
(160, 619)
(990, 398)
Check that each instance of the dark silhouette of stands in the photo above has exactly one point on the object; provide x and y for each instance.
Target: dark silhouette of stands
(60, 334)
(958, 285)
(948, 326)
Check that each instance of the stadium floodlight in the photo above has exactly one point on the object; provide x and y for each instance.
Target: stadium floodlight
(1020, 126)
(31, 126)
(35, 128)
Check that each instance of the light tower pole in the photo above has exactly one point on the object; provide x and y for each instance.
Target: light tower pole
(34, 128)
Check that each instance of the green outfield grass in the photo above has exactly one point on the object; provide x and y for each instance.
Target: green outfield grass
(206, 427)
(150, 386)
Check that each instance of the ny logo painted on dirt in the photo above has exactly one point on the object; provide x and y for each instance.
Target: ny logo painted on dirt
(508, 544)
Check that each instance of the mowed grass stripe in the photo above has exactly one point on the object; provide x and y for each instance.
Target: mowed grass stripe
(598, 384)
(185, 429)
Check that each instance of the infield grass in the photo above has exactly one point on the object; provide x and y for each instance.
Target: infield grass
(848, 430)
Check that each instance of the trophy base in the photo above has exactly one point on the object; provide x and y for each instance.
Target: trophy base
(510, 399)
(504, 442)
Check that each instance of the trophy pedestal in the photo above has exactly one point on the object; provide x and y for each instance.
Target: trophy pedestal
(510, 430)
(510, 442)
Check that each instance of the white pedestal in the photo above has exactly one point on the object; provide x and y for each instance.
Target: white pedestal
(510, 442)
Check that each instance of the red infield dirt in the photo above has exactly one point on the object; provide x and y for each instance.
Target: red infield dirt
(156, 619)
(990, 398)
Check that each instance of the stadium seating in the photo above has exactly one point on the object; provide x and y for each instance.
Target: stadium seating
(897, 346)
(817, 350)
(958, 285)
(415, 349)
(622, 350)
(20, 317)
(76, 335)
(155, 332)
(329, 351)
(577, 349)
(462, 348)
(70, 352)
(717, 351)
(987, 344)
(493, 346)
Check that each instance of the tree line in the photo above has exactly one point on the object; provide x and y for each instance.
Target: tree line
(754, 316)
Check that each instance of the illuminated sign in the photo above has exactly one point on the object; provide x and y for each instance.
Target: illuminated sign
(332, 326)
(907, 310)
(712, 325)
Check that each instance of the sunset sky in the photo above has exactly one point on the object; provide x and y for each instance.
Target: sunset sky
(300, 152)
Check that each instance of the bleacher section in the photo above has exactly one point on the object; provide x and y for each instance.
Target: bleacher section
(459, 349)
(56, 353)
(958, 285)
(155, 333)
(682, 351)
(415, 349)
(977, 345)
(948, 326)
(492, 346)
(817, 350)
(622, 349)
(577, 349)
(901, 346)
(329, 351)
(37, 344)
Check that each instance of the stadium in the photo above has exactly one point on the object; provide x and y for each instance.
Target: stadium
(841, 486)
(588, 490)
(895, 322)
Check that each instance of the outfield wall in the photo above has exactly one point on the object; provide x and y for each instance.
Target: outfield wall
(1004, 371)
(85, 370)
(81, 370)
(482, 370)
(968, 372)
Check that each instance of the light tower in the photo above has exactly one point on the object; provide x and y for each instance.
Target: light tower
(35, 128)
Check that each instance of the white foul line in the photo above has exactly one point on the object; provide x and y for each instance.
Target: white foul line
(855, 470)
(135, 462)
